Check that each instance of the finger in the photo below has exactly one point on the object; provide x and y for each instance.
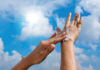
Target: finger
(75, 19)
(49, 49)
(67, 22)
(80, 23)
(56, 40)
(58, 30)
(53, 35)
(60, 39)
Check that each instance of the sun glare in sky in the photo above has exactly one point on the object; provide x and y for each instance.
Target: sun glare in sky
(32, 17)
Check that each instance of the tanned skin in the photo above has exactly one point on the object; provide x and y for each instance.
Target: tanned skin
(68, 60)
(40, 52)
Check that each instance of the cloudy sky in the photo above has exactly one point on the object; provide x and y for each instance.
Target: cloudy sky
(24, 23)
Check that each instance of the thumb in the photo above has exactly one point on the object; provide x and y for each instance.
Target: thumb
(51, 48)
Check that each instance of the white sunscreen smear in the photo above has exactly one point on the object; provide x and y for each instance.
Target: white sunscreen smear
(68, 37)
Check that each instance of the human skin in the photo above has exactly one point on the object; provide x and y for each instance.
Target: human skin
(40, 53)
(68, 60)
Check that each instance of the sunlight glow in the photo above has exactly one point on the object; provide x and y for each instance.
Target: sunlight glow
(32, 17)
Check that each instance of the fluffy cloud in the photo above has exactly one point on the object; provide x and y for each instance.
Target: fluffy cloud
(78, 50)
(91, 24)
(60, 22)
(93, 46)
(40, 9)
(17, 7)
(36, 25)
(8, 61)
(82, 59)
(85, 68)
(1, 46)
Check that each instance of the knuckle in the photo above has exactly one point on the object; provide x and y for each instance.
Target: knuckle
(42, 42)
(54, 40)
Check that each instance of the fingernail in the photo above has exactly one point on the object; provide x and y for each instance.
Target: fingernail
(52, 46)
(70, 13)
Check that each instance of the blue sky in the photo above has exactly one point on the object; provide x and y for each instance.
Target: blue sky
(20, 32)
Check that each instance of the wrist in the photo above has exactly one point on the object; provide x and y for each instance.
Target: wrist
(26, 62)
(66, 44)
(22, 65)
(68, 41)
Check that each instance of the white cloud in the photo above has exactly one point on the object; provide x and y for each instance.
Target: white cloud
(8, 61)
(85, 68)
(84, 59)
(60, 22)
(1, 46)
(37, 26)
(81, 58)
(93, 46)
(78, 9)
(21, 8)
(78, 50)
(91, 25)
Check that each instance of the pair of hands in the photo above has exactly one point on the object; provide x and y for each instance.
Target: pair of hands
(46, 47)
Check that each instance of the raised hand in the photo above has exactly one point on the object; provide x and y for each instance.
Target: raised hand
(68, 60)
(74, 26)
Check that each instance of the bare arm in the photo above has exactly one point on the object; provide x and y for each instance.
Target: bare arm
(40, 52)
(68, 60)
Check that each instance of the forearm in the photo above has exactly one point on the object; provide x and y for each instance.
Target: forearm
(24, 64)
(68, 61)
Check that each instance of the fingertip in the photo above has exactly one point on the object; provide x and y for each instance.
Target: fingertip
(52, 46)
(57, 29)
(70, 14)
(81, 20)
(76, 14)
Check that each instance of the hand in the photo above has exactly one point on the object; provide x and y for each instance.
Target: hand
(44, 48)
(74, 27)
(40, 52)
(68, 61)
